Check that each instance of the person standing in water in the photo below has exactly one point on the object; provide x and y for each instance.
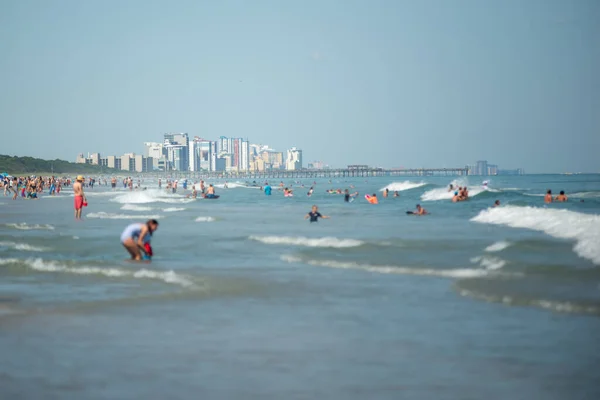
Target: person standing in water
(136, 238)
(79, 196)
(561, 197)
(314, 214)
(548, 197)
(267, 189)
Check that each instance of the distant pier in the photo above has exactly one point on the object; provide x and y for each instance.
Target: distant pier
(350, 172)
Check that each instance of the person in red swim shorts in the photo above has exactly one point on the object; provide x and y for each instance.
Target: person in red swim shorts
(80, 198)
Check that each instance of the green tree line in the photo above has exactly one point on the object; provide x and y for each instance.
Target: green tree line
(29, 165)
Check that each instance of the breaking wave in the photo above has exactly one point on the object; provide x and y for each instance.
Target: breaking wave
(498, 246)
(562, 224)
(400, 186)
(205, 219)
(27, 227)
(150, 196)
(173, 209)
(552, 305)
(21, 246)
(387, 269)
(104, 215)
(308, 242)
(38, 264)
(133, 207)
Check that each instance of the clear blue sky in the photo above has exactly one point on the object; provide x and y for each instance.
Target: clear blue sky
(391, 83)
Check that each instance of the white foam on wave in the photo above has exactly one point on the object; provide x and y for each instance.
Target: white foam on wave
(21, 246)
(150, 196)
(105, 215)
(173, 209)
(444, 194)
(234, 185)
(308, 242)
(385, 269)
(489, 263)
(41, 265)
(400, 186)
(26, 227)
(557, 306)
(585, 195)
(498, 246)
(205, 219)
(133, 207)
(562, 224)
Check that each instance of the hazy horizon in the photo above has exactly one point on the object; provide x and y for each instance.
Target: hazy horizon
(384, 83)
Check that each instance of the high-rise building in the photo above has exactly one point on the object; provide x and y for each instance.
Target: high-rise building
(202, 155)
(128, 162)
(244, 155)
(481, 168)
(94, 158)
(176, 149)
(294, 159)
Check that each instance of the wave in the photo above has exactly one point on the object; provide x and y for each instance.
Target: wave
(553, 305)
(41, 265)
(104, 215)
(235, 185)
(21, 246)
(173, 209)
(26, 227)
(133, 207)
(308, 242)
(489, 263)
(205, 219)
(400, 186)
(498, 246)
(150, 196)
(561, 224)
(386, 269)
(444, 194)
(585, 195)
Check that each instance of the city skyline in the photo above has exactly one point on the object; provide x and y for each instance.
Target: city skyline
(414, 84)
(179, 152)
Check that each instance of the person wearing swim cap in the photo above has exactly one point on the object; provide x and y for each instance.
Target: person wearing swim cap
(136, 239)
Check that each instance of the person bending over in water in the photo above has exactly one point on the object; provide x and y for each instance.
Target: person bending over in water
(136, 238)
(561, 197)
(314, 215)
(548, 197)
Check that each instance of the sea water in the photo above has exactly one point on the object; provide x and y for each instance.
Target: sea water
(244, 298)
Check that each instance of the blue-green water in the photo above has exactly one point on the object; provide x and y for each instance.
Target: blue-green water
(246, 299)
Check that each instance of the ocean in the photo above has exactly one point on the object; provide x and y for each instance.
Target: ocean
(246, 299)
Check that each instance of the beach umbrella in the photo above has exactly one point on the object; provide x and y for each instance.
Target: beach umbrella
(4, 174)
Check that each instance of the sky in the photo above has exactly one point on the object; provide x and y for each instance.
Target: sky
(432, 83)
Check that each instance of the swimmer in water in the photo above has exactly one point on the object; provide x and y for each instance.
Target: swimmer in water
(396, 194)
(420, 211)
(451, 187)
(548, 197)
(561, 197)
(497, 203)
(314, 215)
(136, 236)
(386, 192)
